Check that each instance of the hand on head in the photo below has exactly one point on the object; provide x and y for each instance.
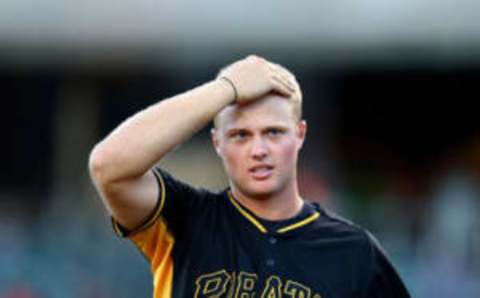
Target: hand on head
(254, 77)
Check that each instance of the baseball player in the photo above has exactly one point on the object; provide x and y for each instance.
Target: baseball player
(257, 238)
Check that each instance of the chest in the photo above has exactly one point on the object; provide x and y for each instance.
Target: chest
(232, 260)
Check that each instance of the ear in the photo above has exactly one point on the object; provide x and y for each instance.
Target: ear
(214, 135)
(301, 132)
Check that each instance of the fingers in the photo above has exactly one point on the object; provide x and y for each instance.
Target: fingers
(281, 87)
(284, 82)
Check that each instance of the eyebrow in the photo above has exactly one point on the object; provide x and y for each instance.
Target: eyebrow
(280, 127)
(242, 129)
(235, 130)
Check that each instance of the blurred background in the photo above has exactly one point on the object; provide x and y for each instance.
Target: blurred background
(390, 96)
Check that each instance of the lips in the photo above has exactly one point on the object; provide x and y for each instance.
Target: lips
(261, 172)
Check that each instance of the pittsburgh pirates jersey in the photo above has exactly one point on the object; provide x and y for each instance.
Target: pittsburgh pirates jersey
(205, 244)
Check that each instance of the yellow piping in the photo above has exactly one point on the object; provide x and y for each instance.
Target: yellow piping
(299, 224)
(248, 216)
(155, 215)
(162, 201)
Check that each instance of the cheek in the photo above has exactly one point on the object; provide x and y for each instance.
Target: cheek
(287, 153)
(232, 157)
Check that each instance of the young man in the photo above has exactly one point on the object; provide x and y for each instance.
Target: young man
(258, 238)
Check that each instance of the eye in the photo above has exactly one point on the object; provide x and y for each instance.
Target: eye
(273, 132)
(239, 135)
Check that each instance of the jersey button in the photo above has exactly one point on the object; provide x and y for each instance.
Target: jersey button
(270, 262)
(272, 240)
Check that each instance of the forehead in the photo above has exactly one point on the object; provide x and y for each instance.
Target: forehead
(271, 110)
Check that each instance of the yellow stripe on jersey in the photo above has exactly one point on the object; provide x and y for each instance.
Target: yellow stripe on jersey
(156, 243)
(161, 203)
(299, 224)
(247, 215)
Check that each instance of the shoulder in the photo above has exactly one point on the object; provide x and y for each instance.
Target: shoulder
(360, 240)
(182, 199)
(172, 185)
(334, 226)
(375, 275)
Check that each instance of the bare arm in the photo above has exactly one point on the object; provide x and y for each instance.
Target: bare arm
(120, 164)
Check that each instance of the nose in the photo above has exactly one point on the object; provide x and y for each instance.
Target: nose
(259, 149)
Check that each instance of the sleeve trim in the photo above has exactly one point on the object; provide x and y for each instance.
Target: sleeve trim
(123, 232)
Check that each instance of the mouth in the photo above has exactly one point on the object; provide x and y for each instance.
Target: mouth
(261, 172)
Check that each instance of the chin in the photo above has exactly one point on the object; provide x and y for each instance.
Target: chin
(260, 192)
(261, 195)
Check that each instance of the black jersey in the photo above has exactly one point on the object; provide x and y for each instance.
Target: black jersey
(205, 244)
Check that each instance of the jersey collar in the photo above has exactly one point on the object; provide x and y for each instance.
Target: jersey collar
(307, 215)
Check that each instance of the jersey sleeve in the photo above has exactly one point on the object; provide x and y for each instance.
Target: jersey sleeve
(382, 280)
(177, 206)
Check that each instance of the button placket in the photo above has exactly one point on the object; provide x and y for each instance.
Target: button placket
(270, 261)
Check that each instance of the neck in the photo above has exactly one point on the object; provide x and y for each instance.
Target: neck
(272, 206)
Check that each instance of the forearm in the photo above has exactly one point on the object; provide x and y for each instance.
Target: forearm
(137, 144)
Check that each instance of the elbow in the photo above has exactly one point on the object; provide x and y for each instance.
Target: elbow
(100, 165)
(108, 166)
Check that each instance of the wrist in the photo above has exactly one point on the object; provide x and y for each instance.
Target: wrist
(229, 83)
